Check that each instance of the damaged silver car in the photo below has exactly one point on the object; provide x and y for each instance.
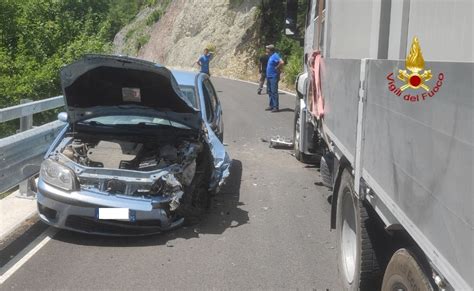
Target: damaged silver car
(136, 157)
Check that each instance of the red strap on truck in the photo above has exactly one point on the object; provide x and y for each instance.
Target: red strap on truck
(317, 106)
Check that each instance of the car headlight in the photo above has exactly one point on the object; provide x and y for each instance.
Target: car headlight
(57, 175)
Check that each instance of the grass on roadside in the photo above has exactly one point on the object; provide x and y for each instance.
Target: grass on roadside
(6, 193)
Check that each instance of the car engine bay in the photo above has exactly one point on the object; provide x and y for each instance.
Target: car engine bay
(162, 170)
(117, 154)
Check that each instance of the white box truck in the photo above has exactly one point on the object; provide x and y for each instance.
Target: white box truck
(386, 100)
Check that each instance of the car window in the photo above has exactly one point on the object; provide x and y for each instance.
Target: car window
(189, 93)
(212, 95)
(207, 102)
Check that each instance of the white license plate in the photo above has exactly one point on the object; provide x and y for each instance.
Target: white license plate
(114, 213)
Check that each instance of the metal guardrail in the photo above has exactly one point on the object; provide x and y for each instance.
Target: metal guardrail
(21, 153)
(30, 108)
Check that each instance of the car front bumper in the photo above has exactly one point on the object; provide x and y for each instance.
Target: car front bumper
(77, 211)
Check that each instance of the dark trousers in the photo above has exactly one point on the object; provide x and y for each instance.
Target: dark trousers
(262, 81)
(272, 85)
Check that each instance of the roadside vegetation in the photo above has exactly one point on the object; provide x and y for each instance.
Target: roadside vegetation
(37, 37)
(138, 29)
(272, 26)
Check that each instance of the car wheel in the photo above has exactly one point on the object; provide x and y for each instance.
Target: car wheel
(404, 273)
(357, 262)
(197, 197)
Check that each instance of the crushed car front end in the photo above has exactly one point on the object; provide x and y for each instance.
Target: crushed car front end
(127, 168)
(85, 175)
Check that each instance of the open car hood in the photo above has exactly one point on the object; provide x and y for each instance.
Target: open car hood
(98, 85)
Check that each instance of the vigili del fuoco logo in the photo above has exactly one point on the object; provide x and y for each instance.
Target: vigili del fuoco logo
(415, 77)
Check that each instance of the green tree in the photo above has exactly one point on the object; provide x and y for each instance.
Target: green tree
(38, 37)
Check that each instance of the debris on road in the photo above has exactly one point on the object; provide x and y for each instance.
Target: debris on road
(281, 142)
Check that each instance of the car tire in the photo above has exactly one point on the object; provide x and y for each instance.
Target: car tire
(357, 261)
(221, 137)
(196, 198)
(404, 272)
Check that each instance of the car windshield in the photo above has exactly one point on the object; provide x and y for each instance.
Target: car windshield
(128, 120)
(189, 93)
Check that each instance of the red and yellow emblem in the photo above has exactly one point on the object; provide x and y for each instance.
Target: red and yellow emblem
(414, 77)
(415, 64)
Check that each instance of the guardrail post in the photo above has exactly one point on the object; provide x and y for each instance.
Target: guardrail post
(26, 122)
(26, 187)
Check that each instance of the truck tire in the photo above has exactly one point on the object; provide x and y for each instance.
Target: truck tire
(404, 272)
(357, 261)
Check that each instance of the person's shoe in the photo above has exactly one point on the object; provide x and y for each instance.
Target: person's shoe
(268, 109)
(275, 110)
(259, 91)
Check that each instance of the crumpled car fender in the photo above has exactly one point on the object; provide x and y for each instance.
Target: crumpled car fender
(222, 160)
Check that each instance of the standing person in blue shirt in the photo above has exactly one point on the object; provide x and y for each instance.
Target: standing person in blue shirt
(204, 60)
(275, 64)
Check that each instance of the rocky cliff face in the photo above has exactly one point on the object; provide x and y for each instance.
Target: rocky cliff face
(188, 26)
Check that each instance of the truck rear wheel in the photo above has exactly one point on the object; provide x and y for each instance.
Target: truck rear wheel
(357, 262)
(405, 273)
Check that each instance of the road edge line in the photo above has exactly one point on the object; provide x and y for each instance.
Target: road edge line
(27, 253)
(254, 83)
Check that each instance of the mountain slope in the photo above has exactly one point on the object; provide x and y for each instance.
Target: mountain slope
(188, 26)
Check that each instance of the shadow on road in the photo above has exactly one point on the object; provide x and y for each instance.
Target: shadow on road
(286, 110)
(225, 209)
(14, 245)
(224, 213)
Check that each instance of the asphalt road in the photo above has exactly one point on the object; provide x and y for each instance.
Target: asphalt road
(267, 229)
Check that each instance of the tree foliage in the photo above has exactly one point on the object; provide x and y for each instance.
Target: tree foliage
(38, 37)
(272, 24)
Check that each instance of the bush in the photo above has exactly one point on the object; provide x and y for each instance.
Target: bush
(292, 54)
(141, 41)
(130, 33)
(293, 67)
(154, 17)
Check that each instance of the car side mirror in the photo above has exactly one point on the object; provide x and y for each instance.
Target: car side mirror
(62, 116)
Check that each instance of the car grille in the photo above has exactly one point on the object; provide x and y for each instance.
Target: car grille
(113, 227)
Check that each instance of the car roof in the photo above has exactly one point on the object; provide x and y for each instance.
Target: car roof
(186, 78)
